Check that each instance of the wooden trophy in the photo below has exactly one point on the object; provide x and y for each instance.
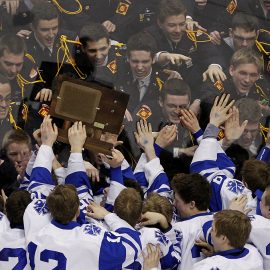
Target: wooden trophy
(100, 108)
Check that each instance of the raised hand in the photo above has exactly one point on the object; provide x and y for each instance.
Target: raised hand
(77, 136)
(48, 131)
(144, 136)
(166, 136)
(115, 161)
(233, 130)
(189, 120)
(220, 110)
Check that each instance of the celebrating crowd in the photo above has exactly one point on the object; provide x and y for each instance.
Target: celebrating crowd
(187, 183)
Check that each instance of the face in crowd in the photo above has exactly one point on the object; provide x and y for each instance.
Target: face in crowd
(140, 63)
(5, 97)
(244, 77)
(242, 38)
(46, 31)
(249, 135)
(172, 105)
(97, 51)
(11, 64)
(174, 27)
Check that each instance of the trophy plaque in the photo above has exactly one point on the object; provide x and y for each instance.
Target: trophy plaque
(100, 108)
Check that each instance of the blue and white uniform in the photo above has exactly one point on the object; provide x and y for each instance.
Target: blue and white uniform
(247, 258)
(189, 230)
(219, 172)
(13, 253)
(260, 237)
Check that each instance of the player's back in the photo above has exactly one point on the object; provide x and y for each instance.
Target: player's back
(260, 237)
(192, 229)
(13, 253)
(73, 246)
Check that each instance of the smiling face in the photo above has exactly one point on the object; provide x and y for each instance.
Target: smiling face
(46, 31)
(244, 77)
(174, 27)
(97, 51)
(172, 105)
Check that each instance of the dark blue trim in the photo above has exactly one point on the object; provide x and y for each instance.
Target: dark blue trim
(198, 134)
(116, 175)
(258, 194)
(158, 149)
(71, 225)
(236, 253)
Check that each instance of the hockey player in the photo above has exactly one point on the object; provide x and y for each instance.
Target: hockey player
(230, 232)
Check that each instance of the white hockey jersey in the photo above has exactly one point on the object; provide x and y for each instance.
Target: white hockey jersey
(13, 255)
(190, 230)
(260, 237)
(224, 187)
(247, 258)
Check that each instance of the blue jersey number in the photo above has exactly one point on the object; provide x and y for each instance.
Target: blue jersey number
(47, 255)
(19, 253)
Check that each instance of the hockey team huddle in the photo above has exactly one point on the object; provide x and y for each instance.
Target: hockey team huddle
(203, 220)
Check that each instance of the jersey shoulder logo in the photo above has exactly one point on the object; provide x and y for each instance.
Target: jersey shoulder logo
(235, 186)
(92, 229)
(41, 207)
(161, 237)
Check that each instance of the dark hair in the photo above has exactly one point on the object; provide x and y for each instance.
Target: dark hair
(248, 22)
(128, 206)
(256, 174)
(193, 187)
(175, 87)
(44, 11)
(63, 203)
(130, 183)
(238, 155)
(93, 32)
(142, 42)
(12, 44)
(169, 8)
(16, 205)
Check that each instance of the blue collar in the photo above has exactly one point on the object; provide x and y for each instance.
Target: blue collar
(71, 225)
(198, 215)
(235, 253)
(258, 194)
